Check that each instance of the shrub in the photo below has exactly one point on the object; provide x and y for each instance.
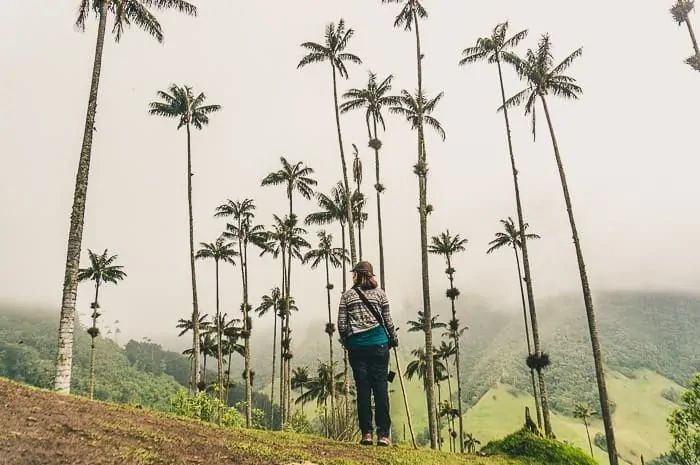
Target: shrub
(204, 408)
(537, 450)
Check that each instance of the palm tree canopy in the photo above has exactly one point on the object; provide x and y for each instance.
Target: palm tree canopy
(220, 251)
(325, 251)
(336, 39)
(296, 177)
(418, 366)
(446, 350)
(186, 324)
(509, 237)
(411, 10)
(272, 301)
(300, 376)
(447, 245)
(243, 213)
(181, 103)
(102, 269)
(419, 324)
(681, 9)
(333, 207)
(285, 236)
(493, 47)
(582, 412)
(542, 76)
(372, 98)
(319, 387)
(408, 107)
(137, 12)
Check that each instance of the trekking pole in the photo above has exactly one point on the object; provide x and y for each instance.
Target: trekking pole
(405, 398)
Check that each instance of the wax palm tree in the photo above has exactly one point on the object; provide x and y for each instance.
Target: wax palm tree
(101, 270)
(300, 376)
(680, 12)
(283, 240)
(232, 331)
(333, 208)
(271, 302)
(419, 367)
(417, 111)
(584, 412)
(357, 178)
(320, 388)
(373, 99)
(445, 352)
(408, 19)
(221, 252)
(447, 245)
(328, 255)
(189, 109)
(512, 238)
(494, 49)
(295, 177)
(470, 443)
(124, 12)
(207, 349)
(244, 232)
(544, 78)
(333, 52)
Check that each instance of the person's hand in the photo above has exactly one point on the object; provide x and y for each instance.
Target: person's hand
(394, 342)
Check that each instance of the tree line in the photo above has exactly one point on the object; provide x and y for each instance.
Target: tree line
(543, 77)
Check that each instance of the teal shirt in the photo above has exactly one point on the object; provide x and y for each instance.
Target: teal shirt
(374, 337)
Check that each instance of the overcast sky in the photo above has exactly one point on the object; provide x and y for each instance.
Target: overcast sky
(629, 148)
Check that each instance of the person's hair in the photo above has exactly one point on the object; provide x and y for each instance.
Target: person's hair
(365, 281)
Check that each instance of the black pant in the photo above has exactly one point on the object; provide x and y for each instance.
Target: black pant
(369, 367)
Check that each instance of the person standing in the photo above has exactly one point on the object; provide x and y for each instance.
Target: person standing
(368, 333)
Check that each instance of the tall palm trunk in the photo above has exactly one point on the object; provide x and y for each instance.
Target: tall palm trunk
(274, 359)
(330, 341)
(287, 359)
(64, 357)
(219, 349)
(588, 434)
(423, 213)
(527, 337)
(450, 420)
(228, 371)
(544, 400)
(195, 308)
(92, 341)
(346, 184)
(692, 36)
(587, 299)
(377, 187)
(457, 362)
(243, 254)
(346, 362)
(437, 415)
(283, 341)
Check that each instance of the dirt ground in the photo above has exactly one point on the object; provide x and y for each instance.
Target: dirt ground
(44, 428)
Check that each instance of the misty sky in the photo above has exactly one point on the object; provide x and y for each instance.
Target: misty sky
(627, 145)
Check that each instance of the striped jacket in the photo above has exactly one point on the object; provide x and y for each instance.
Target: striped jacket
(355, 318)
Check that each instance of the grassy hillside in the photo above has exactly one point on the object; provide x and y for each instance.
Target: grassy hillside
(41, 427)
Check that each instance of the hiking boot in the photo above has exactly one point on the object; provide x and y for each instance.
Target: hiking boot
(367, 439)
(384, 442)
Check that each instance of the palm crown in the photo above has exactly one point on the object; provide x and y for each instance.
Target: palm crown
(492, 48)
(243, 228)
(325, 251)
(220, 251)
(373, 98)
(181, 102)
(447, 245)
(411, 9)
(542, 76)
(336, 40)
(272, 301)
(409, 106)
(510, 236)
(418, 325)
(102, 269)
(296, 177)
(333, 207)
(127, 12)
